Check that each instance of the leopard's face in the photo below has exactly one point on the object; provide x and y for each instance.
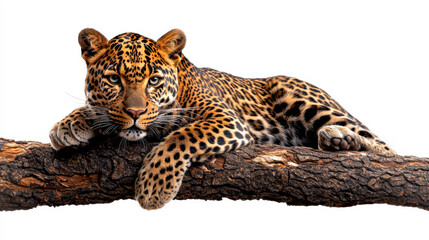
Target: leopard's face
(130, 80)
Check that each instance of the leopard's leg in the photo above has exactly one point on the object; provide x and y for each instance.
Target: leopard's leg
(72, 130)
(322, 122)
(161, 176)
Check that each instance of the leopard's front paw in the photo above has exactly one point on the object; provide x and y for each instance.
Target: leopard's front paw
(338, 138)
(158, 183)
(72, 130)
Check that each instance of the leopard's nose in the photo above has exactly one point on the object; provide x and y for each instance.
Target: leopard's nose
(135, 113)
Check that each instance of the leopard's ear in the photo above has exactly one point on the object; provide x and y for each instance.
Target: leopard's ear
(172, 44)
(92, 43)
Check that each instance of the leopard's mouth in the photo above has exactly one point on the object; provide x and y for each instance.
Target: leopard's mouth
(132, 134)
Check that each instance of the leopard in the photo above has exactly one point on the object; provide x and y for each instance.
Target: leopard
(138, 88)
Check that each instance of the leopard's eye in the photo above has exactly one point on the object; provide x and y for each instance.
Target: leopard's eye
(154, 81)
(114, 78)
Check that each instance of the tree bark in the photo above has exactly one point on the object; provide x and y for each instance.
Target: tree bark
(33, 174)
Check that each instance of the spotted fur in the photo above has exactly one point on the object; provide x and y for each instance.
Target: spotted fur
(137, 87)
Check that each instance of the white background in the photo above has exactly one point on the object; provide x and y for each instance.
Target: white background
(372, 56)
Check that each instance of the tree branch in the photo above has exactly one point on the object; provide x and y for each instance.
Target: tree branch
(33, 174)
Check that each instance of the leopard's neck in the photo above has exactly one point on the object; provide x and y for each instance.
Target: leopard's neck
(188, 75)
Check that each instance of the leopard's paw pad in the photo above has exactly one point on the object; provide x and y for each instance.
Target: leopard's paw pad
(337, 138)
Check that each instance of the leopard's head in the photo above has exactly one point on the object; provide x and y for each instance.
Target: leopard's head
(130, 79)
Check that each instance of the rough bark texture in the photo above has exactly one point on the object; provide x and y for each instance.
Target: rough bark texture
(33, 174)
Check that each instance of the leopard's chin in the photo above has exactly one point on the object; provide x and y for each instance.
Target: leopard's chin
(132, 134)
